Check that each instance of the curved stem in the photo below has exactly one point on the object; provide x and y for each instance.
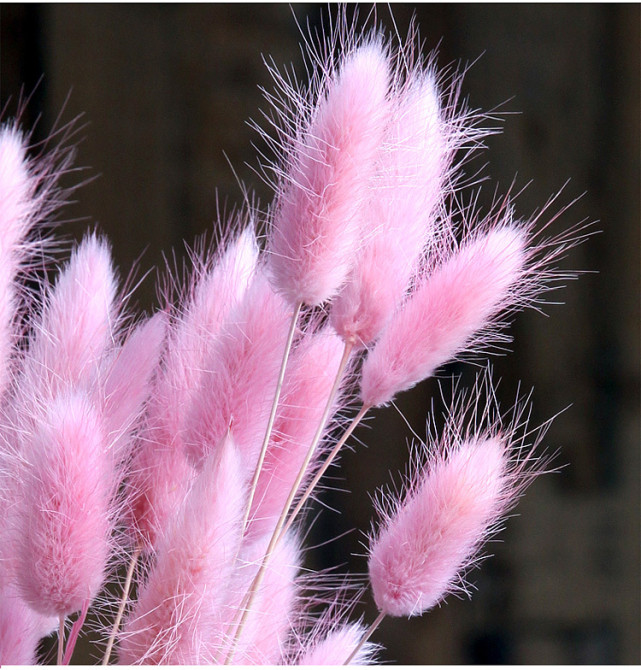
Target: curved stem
(272, 416)
(123, 603)
(328, 461)
(368, 633)
(253, 589)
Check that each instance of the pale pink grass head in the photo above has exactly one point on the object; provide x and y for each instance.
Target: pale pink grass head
(65, 524)
(328, 150)
(172, 620)
(239, 379)
(453, 502)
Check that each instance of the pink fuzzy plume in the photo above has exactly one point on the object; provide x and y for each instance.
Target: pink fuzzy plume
(316, 228)
(337, 646)
(65, 525)
(128, 381)
(428, 540)
(308, 381)
(402, 212)
(454, 302)
(239, 380)
(76, 325)
(172, 620)
(273, 610)
(17, 209)
(160, 472)
(21, 628)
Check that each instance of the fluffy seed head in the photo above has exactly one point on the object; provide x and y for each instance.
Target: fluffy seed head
(65, 525)
(454, 302)
(337, 646)
(315, 228)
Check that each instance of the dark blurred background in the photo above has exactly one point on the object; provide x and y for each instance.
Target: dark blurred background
(165, 92)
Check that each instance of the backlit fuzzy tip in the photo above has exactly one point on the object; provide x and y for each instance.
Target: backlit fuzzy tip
(77, 322)
(429, 537)
(325, 176)
(239, 379)
(171, 621)
(402, 211)
(337, 646)
(454, 302)
(66, 519)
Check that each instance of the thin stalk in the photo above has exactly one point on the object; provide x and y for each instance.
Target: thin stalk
(75, 632)
(61, 638)
(272, 416)
(328, 461)
(123, 603)
(253, 589)
(366, 636)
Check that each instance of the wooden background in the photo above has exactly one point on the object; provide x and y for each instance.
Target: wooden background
(165, 92)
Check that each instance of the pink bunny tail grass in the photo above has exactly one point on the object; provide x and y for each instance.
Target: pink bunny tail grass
(160, 473)
(327, 163)
(75, 327)
(458, 299)
(472, 477)
(274, 609)
(172, 619)
(128, 381)
(238, 384)
(20, 629)
(308, 382)
(66, 515)
(338, 645)
(412, 169)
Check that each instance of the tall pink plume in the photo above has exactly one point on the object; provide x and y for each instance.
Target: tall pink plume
(454, 302)
(316, 224)
(160, 472)
(274, 609)
(128, 381)
(426, 544)
(337, 646)
(18, 207)
(401, 212)
(172, 620)
(65, 524)
(76, 325)
(308, 382)
(239, 380)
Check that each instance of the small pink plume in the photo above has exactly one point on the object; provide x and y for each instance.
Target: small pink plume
(308, 382)
(65, 525)
(171, 622)
(337, 646)
(76, 325)
(429, 538)
(401, 212)
(453, 303)
(316, 224)
(239, 380)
